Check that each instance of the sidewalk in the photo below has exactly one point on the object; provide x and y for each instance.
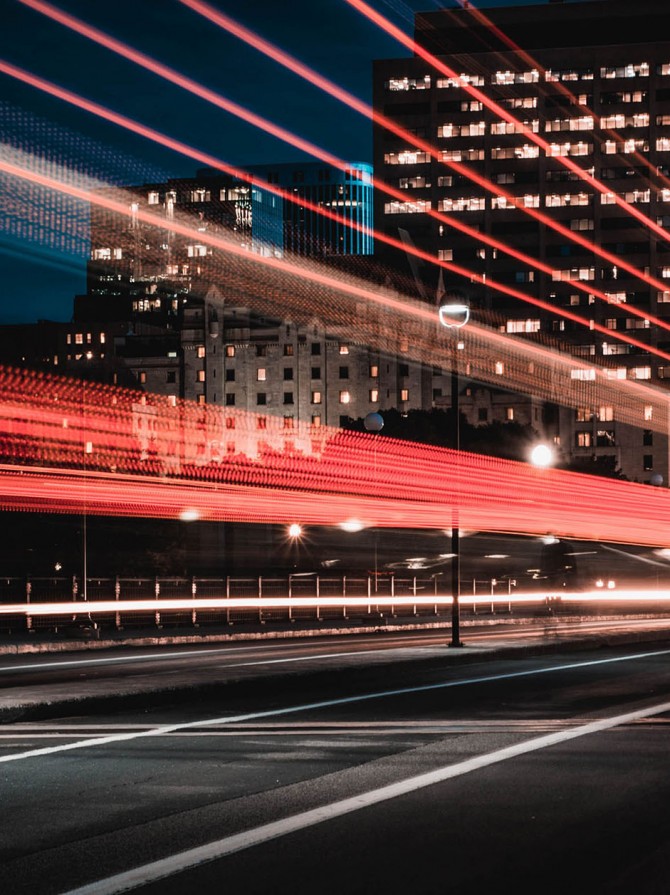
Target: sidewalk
(151, 688)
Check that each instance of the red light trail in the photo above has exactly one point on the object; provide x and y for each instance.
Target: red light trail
(107, 452)
(483, 19)
(470, 275)
(281, 133)
(484, 346)
(402, 38)
(268, 49)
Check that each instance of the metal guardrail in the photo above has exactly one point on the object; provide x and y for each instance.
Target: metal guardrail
(54, 603)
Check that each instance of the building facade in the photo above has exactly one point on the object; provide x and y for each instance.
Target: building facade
(591, 88)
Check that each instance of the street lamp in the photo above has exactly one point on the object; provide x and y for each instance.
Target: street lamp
(542, 455)
(374, 422)
(454, 314)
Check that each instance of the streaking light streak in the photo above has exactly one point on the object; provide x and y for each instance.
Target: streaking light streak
(281, 133)
(419, 313)
(102, 607)
(285, 59)
(440, 66)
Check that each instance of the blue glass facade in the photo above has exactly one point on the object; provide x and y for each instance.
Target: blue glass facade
(279, 225)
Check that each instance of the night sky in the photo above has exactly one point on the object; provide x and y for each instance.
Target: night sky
(40, 276)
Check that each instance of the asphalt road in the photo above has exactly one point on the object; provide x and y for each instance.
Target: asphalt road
(490, 771)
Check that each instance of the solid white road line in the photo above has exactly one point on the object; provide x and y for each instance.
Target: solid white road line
(212, 851)
(329, 703)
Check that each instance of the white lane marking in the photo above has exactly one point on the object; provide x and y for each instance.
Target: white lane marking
(329, 703)
(37, 666)
(110, 659)
(220, 848)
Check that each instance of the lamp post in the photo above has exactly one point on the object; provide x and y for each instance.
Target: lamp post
(454, 314)
(374, 422)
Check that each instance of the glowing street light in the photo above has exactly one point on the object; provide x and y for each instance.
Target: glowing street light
(294, 531)
(542, 455)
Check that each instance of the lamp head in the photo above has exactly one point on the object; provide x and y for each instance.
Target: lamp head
(454, 311)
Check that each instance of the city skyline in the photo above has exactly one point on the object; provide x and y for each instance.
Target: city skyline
(189, 44)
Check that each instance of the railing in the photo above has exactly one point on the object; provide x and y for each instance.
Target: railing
(55, 603)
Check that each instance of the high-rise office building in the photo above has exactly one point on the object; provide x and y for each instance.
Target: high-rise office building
(582, 83)
(156, 264)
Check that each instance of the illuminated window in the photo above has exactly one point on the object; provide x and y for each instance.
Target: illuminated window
(404, 394)
(316, 397)
(406, 157)
(344, 349)
(261, 374)
(374, 395)
(556, 200)
(572, 74)
(201, 399)
(418, 182)
(103, 338)
(394, 84)
(606, 414)
(474, 80)
(648, 412)
(617, 373)
(640, 372)
(201, 376)
(574, 273)
(583, 439)
(316, 420)
(509, 414)
(196, 251)
(519, 102)
(523, 326)
(345, 397)
(230, 351)
(562, 150)
(500, 368)
(639, 70)
(102, 254)
(584, 375)
(463, 203)
(79, 338)
(374, 371)
(142, 376)
(618, 348)
(201, 351)
(637, 323)
(419, 206)
(583, 414)
(663, 297)
(445, 254)
(514, 127)
(462, 155)
(517, 77)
